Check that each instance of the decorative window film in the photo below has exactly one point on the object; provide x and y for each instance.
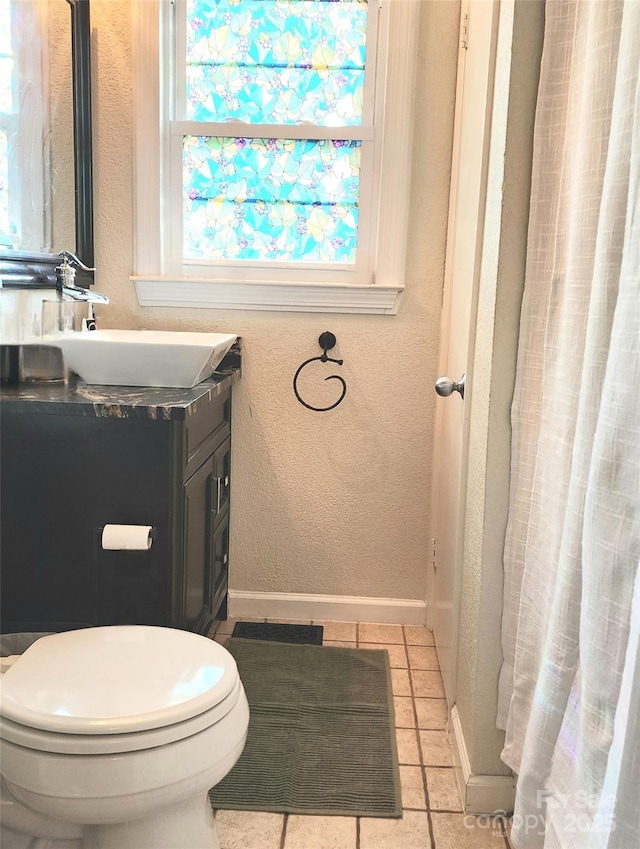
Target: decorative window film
(265, 195)
(274, 152)
(276, 61)
(270, 199)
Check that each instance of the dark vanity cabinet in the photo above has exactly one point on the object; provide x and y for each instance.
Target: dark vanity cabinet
(77, 458)
(206, 538)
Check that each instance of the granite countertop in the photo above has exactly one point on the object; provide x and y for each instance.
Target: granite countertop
(77, 398)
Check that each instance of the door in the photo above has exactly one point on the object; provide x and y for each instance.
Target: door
(464, 243)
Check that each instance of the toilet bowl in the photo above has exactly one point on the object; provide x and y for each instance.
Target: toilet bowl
(111, 737)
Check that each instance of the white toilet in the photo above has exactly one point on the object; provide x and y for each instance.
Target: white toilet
(111, 737)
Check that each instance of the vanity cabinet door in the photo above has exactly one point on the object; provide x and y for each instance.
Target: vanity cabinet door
(220, 565)
(219, 561)
(221, 481)
(197, 557)
(206, 538)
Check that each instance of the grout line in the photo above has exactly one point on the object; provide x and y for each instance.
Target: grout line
(423, 772)
(436, 698)
(503, 826)
(447, 811)
(437, 766)
(435, 810)
(283, 834)
(406, 653)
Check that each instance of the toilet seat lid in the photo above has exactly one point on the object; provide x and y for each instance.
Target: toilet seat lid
(116, 679)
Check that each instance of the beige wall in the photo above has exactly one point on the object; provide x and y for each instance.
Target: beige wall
(335, 502)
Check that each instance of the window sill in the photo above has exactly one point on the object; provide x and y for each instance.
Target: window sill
(157, 291)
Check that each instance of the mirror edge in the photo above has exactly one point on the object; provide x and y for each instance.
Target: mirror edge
(14, 263)
(82, 131)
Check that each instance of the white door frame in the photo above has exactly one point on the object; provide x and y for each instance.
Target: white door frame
(479, 24)
(485, 782)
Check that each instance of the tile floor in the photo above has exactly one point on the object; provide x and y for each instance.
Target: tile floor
(432, 813)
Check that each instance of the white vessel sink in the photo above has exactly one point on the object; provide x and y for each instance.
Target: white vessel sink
(142, 357)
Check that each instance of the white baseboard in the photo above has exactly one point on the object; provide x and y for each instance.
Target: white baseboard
(481, 794)
(394, 611)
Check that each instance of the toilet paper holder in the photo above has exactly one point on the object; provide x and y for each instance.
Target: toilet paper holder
(118, 537)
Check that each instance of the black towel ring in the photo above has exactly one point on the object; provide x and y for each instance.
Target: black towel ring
(326, 341)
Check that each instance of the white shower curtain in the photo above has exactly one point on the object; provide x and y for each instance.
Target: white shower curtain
(570, 683)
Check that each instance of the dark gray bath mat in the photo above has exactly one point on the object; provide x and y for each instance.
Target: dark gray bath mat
(279, 633)
(321, 734)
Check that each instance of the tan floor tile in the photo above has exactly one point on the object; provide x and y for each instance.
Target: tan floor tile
(221, 638)
(410, 832)
(432, 713)
(423, 657)
(405, 717)
(436, 748)
(314, 832)
(249, 829)
(397, 653)
(400, 682)
(457, 831)
(443, 790)
(339, 630)
(408, 752)
(226, 626)
(416, 635)
(412, 787)
(371, 633)
(340, 643)
(427, 683)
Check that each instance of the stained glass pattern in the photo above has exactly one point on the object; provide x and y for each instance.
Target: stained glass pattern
(270, 199)
(276, 61)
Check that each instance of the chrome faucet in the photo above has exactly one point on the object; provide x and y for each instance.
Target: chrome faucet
(66, 275)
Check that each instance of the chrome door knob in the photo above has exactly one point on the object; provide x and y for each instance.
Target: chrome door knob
(445, 386)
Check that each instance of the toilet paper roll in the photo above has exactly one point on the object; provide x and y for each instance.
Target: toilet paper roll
(127, 537)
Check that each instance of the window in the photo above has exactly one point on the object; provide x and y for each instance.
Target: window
(283, 136)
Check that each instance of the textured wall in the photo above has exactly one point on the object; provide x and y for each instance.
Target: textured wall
(334, 502)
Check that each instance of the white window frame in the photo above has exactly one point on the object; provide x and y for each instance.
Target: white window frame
(157, 278)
